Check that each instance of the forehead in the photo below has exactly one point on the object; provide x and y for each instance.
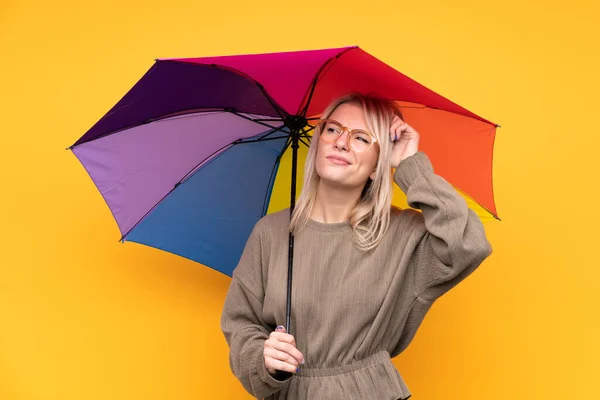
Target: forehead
(350, 115)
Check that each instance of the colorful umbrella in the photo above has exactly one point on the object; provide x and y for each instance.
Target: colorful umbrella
(201, 148)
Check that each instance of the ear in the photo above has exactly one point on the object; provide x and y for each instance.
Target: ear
(372, 176)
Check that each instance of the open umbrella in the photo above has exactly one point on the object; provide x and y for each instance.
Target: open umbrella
(199, 149)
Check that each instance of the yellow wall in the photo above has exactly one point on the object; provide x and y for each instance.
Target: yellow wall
(85, 317)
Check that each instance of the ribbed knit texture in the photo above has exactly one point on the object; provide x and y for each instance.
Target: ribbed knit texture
(351, 311)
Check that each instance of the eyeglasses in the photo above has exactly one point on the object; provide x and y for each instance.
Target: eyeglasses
(359, 140)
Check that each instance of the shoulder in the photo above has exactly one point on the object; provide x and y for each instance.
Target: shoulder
(406, 219)
(270, 231)
(274, 222)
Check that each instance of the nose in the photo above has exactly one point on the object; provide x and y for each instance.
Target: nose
(341, 143)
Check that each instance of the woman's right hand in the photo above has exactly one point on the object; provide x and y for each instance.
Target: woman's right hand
(280, 352)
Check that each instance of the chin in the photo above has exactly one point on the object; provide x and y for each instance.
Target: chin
(330, 176)
(333, 177)
(327, 175)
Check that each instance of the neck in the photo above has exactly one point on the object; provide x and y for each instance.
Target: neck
(334, 204)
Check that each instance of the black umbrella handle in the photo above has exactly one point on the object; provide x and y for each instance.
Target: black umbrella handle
(295, 135)
(283, 375)
(288, 307)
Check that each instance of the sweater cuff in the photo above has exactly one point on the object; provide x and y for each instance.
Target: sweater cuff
(411, 168)
(265, 376)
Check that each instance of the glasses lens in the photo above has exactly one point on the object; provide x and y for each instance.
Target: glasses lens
(330, 131)
(360, 141)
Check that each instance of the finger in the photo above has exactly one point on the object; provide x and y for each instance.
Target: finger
(280, 356)
(406, 127)
(273, 365)
(283, 337)
(397, 129)
(286, 338)
(288, 348)
(409, 132)
(292, 351)
(396, 119)
(403, 126)
(401, 131)
(394, 133)
(395, 125)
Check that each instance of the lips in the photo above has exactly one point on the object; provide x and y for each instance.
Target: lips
(338, 160)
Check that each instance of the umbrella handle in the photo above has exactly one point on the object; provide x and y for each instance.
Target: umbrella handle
(295, 124)
(283, 375)
(288, 307)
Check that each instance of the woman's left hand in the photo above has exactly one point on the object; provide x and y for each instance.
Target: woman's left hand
(405, 141)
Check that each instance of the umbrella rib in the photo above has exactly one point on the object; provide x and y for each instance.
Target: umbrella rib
(305, 133)
(270, 100)
(308, 128)
(287, 144)
(242, 141)
(200, 164)
(316, 79)
(276, 107)
(196, 168)
(476, 202)
(266, 135)
(256, 120)
(181, 113)
(147, 121)
(272, 179)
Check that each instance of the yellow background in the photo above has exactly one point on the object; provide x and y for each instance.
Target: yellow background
(85, 317)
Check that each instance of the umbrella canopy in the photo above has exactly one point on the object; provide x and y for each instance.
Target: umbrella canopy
(201, 148)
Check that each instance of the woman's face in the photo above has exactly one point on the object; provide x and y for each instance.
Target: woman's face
(337, 163)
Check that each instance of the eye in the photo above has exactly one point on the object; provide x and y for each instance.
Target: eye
(363, 138)
(332, 128)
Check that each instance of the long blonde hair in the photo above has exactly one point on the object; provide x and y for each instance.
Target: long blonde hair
(370, 218)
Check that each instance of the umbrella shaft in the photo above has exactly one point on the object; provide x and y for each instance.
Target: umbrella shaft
(295, 133)
(289, 283)
(295, 139)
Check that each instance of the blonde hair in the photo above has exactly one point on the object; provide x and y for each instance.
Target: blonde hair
(370, 218)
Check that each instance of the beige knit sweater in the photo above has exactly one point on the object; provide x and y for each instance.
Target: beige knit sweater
(351, 311)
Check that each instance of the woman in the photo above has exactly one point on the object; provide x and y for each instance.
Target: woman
(365, 273)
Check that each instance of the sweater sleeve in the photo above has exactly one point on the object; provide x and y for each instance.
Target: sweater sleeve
(454, 243)
(241, 322)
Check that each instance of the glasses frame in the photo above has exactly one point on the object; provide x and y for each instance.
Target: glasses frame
(321, 125)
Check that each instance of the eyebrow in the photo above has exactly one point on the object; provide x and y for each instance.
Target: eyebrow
(346, 126)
